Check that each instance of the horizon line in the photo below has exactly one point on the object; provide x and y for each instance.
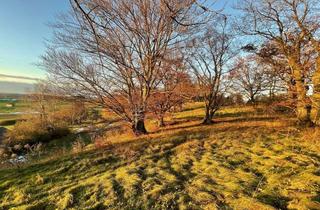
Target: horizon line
(19, 77)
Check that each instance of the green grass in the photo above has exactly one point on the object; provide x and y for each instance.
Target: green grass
(241, 162)
(9, 120)
(19, 106)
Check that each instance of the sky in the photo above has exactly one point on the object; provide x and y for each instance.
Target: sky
(23, 31)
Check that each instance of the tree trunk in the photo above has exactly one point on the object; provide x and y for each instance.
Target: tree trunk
(138, 126)
(208, 117)
(252, 100)
(303, 110)
(315, 111)
(303, 114)
(161, 122)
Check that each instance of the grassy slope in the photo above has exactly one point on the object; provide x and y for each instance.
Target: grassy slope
(241, 162)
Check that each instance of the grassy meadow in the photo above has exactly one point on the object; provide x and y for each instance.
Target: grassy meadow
(246, 160)
(8, 120)
(19, 106)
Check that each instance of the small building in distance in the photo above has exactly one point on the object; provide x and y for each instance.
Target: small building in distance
(9, 105)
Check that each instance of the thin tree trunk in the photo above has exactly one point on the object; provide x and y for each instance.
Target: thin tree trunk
(208, 117)
(252, 100)
(161, 121)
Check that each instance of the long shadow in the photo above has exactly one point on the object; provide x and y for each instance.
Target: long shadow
(182, 120)
(180, 135)
(235, 114)
(248, 119)
(218, 115)
(182, 132)
(190, 118)
(220, 121)
(178, 128)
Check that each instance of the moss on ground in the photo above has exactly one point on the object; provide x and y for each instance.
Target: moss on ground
(254, 163)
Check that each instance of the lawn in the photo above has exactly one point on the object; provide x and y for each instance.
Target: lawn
(243, 161)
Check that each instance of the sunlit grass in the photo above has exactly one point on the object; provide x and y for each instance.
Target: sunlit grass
(243, 161)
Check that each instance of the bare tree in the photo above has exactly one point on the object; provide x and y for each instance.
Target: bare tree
(176, 88)
(306, 13)
(272, 20)
(248, 77)
(208, 57)
(278, 74)
(278, 79)
(43, 103)
(112, 51)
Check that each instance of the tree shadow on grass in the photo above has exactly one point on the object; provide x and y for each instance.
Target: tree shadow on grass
(247, 119)
(276, 201)
(234, 114)
(217, 121)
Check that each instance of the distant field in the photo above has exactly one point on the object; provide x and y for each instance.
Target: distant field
(8, 120)
(19, 106)
(244, 161)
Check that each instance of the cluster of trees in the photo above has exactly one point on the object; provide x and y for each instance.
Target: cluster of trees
(253, 78)
(289, 33)
(50, 117)
(149, 56)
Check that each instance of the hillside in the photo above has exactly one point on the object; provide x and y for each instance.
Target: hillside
(243, 161)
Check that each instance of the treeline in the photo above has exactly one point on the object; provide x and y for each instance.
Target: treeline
(139, 57)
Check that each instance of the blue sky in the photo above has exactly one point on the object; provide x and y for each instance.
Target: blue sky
(23, 29)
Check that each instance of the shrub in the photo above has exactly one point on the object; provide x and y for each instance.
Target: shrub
(33, 131)
(72, 114)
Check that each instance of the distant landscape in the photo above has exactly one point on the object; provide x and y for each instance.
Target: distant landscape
(15, 87)
(11, 84)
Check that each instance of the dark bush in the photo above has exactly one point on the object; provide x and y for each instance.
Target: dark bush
(7, 122)
(33, 131)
